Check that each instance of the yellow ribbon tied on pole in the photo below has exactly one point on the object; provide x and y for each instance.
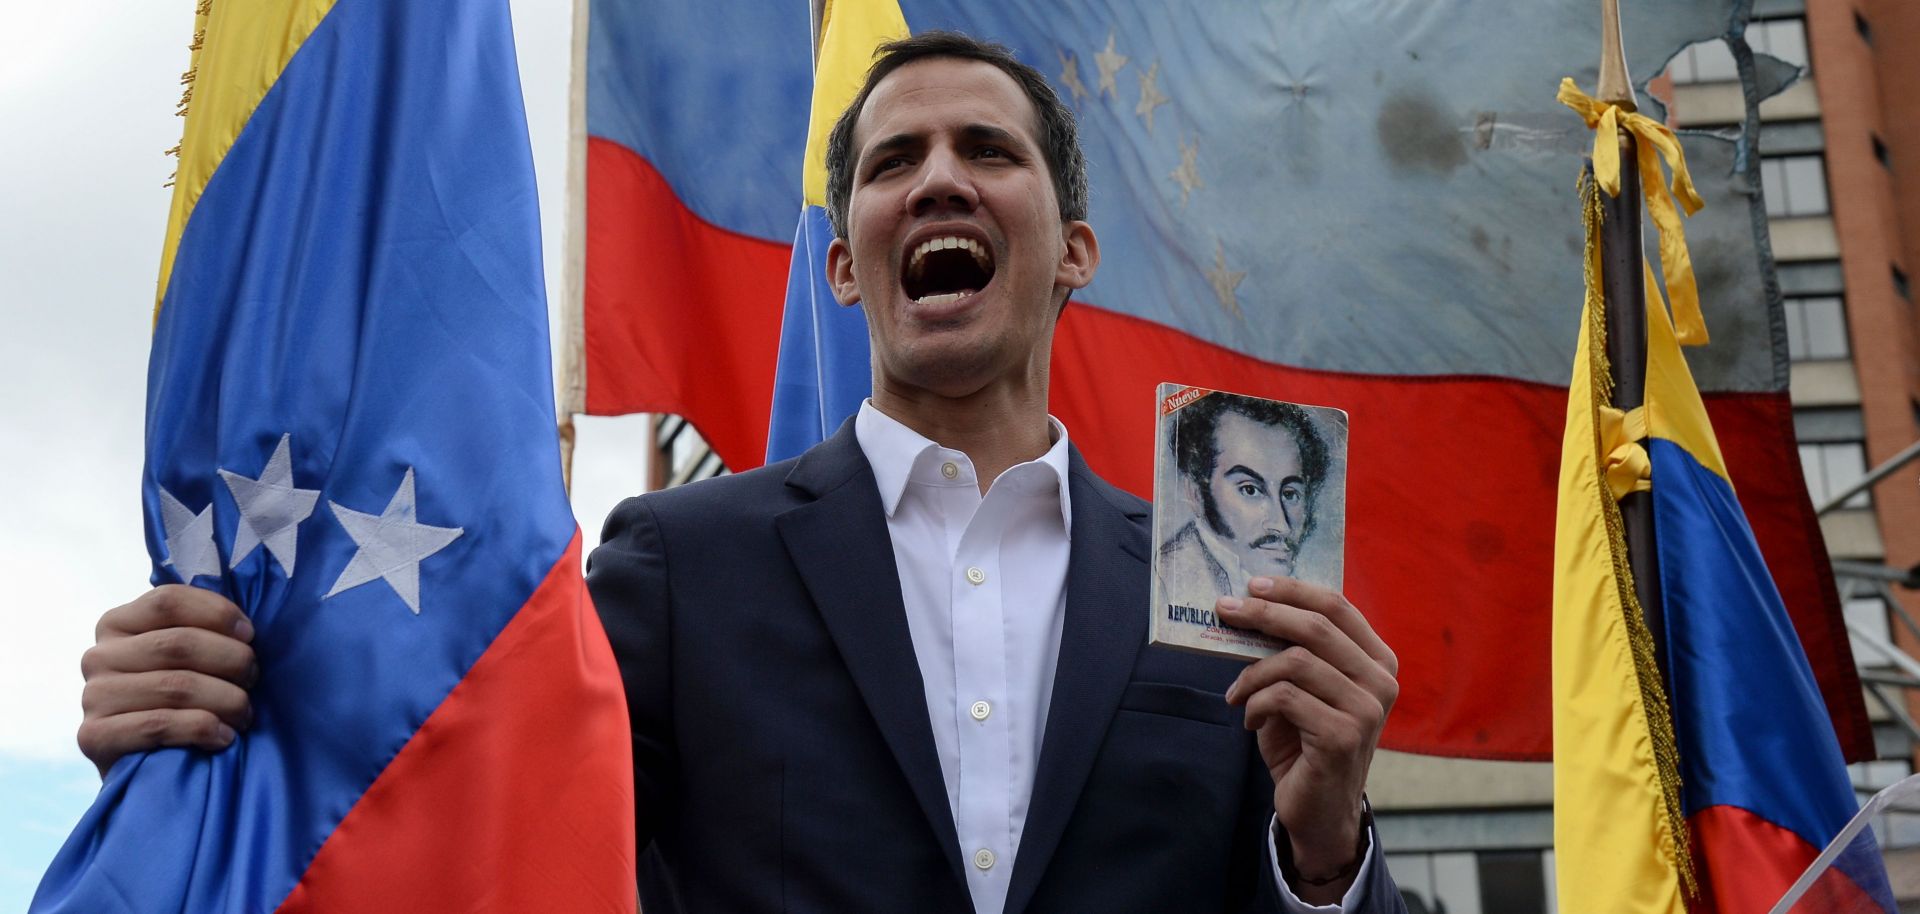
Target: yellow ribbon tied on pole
(1654, 141)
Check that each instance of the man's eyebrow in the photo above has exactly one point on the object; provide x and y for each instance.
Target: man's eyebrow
(1242, 470)
(889, 146)
(990, 134)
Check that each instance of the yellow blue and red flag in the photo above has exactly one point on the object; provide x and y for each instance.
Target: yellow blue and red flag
(1340, 202)
(350, 433)
(1711, 785)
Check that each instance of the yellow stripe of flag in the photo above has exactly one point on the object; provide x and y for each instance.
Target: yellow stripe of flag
(849, 32)
(239, 50)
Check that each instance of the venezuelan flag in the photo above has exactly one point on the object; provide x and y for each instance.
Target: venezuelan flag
(350, 433)
(1713, 786)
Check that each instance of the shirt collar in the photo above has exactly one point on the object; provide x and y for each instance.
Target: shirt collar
(896, 451)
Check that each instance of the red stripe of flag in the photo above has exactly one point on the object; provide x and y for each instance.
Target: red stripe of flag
(488, 755)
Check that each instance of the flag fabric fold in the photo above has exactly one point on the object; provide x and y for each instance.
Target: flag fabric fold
(350, 433)
(1712, 784)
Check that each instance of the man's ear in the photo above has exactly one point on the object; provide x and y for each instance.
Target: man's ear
(1080, 259)
(840, 272)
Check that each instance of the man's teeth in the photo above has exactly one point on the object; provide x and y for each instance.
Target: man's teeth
(944, 298)
(916, 261)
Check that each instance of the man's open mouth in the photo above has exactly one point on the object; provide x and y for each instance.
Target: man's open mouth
(946, 268)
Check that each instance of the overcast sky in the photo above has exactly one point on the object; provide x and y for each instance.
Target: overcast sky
(87, 94)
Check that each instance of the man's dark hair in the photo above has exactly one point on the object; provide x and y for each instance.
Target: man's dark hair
(1196, 449)
(1059, 139)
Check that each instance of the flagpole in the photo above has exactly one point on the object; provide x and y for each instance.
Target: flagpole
(1623, 272)
(573, 374)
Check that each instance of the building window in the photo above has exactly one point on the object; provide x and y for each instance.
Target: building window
(1831, 467)
(1463, 882)
(1816, 328)
(1712, 61)
(1782, 38)
(1794, 185)
(1706, 62)
(1869, 616)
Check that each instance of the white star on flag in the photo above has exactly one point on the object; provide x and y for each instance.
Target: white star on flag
(271, 509)
(391, 545)
(1070, 75)
(190, 549)
(1109, 63)
(1150, 95)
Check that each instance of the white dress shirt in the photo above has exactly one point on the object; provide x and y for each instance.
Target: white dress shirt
(984, 581)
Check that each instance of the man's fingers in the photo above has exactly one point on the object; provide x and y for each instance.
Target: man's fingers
(192, 649)
(1264, 683)
(1304, 627)
(124, 693)
(108, 738)
(1334, 607)
(176, 606)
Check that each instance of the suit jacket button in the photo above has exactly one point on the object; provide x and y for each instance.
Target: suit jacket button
(983, 859)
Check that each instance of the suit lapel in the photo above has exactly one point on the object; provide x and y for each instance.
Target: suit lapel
(1105, 625)
(840, 544)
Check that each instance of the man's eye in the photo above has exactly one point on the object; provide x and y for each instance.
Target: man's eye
(990, 152)
(1249, 489)
(1293, 493)
(888, 164)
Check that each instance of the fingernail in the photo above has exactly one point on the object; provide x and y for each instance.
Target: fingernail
(1260, 584)
(1230, 604)
(243, 629)
(227, 735)
(1233, 691)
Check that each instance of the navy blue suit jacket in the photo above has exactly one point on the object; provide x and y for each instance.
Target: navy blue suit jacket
(782, 756)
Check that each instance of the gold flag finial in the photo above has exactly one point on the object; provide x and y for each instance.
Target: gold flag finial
(1616, 87)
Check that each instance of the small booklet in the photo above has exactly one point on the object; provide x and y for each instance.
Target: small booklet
(1243, 487)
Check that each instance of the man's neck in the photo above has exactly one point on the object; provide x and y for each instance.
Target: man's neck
(995, 427)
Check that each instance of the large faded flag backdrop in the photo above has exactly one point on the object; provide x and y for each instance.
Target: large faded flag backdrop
(1346, 203)
(350, 433)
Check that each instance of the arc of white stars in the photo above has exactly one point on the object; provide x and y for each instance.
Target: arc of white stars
(1070, 76)
(271, 509)
(1150, 95)
(1225, 281)
(392, 544)
(1109, 62)
(189, 537)
(1188, 174)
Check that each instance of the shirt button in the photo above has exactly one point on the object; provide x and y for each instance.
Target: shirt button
(975, 575)
(983, 859)
(980, 710)
(949, 470)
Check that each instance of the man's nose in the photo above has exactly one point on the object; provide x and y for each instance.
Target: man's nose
(1279, 519)
(943, 185)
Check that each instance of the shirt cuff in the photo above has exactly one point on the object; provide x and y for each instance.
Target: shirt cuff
(1292, 904)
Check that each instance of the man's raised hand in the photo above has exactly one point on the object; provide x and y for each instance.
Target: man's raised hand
(171, 668)
(1318, 707)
